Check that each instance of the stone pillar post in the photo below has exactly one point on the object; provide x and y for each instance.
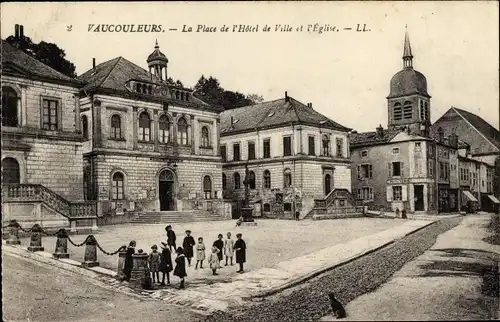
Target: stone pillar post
(97, 123)
(121, 263)
(174, 129)
(61, 245)
(155, 129)
(300, 141)
(90, 259)
(36, 239)
(135, 121)
(215, 137)
(77, 113)
(191, 133)
(139, 265)
(13, 233)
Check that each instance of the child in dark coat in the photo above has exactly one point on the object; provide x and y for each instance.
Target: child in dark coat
(219, 243)
(166, 263)
(127, 267)
(188, 244)
(154, 264)
(170, 237)
(180, 266)
(240, 247)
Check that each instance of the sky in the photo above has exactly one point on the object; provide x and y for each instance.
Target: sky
(345, 74)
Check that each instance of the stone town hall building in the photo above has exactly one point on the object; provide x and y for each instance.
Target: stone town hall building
(149, 145)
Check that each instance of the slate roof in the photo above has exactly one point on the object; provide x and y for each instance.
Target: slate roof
(272, 114)
(371, 138)
(492, 134)
(30, 66)
(113, 75)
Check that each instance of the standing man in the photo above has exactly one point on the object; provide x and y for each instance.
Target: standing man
(240, 247)
(171, 238)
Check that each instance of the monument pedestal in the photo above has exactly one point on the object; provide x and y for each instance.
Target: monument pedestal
(247, 214)
(249, 223)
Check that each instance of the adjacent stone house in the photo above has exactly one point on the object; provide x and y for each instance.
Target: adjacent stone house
(294, 155)
(42, 177)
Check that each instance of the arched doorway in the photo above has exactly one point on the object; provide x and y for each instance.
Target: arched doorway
(10, 171)
(328, 184)
(166, 189)
(9, 107)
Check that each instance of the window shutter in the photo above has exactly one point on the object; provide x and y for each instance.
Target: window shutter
(389, 193)
(359, 171)
(404, 193)
(402, 165)
(390, 169)
(371, 171)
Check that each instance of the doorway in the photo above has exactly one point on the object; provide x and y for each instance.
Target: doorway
(419, 197)
(166, 188)
(328, 182)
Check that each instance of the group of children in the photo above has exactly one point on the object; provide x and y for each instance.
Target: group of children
(162, 262)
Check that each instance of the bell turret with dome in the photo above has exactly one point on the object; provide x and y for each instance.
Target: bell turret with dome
(408, 100)
(157, 63)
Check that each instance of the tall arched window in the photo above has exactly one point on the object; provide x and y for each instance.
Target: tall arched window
(328, 184)
(224, 182)
(9, 106)
(144, 127)
(326, 145)
(398, 112)
(287, 178)
(164, 126)
(267, 179)
(237, 180)
(182, 131)
(10, 171)
(117, 186)
(407, 110)
(116, 127)
(85, 127)
(207, 187)
(205, 137)
(251, 179)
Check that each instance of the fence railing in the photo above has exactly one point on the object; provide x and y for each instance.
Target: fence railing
(39, 193)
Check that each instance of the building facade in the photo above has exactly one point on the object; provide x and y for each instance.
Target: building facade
(408, 165)
(294, 155)
(150, 145)
(42, 178)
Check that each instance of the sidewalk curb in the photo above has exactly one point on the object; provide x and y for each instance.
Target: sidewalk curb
(91, 274)
(324, 269)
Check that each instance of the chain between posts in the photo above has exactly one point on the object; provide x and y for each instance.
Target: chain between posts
(79, 245)
(113, 253)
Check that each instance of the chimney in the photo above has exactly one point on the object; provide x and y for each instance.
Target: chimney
(232, 120)
(93, 63)
(286, 96)
(440, 133)
(21, 31)
(16, 31)
(380, 131)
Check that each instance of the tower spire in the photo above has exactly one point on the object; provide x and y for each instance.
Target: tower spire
(407, 56)
(156, 45)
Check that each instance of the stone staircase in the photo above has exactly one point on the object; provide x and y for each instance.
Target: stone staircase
(339, 203)
(168, 217)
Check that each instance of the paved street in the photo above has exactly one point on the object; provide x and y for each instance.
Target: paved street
(271, 242)
(457, 279)
(35, 292)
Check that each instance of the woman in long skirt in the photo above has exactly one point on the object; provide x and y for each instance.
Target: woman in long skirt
(127, 267)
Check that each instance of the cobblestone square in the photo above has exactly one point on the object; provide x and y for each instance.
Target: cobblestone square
(269, 243)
